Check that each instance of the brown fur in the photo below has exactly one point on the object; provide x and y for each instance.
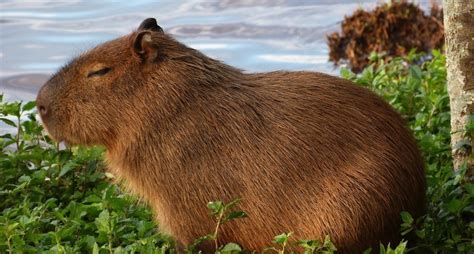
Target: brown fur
(305, 151)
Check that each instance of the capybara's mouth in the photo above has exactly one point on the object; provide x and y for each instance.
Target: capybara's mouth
(53, 133)
(49, 131)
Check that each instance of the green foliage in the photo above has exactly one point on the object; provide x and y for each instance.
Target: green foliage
(400, 249)
(222, 214)
(60, 200)
(308, 246)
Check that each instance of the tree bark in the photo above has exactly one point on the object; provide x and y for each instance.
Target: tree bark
(459, 29)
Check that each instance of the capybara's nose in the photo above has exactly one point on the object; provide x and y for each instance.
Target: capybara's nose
(42, 103)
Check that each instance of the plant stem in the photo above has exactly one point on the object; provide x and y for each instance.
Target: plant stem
(10, 248)
(58, 180)
(283, 248)
(58, 243)
(110, 236)
(18, 132)
(110, 245)
(216, 231)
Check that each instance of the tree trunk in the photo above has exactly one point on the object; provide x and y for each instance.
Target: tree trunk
(459, 29)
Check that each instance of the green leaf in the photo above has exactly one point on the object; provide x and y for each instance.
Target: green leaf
(29, 106)
(91, 199)
(235, 215)
(415, 71)
(63, 156)
(401, 248)
(406, 217)
(24, 179)
(12, 226)
(231, 248)
(117, 204)
(232, 203)
(328, 244)
(454, 206)
(18, 241)
(68, 231)
(12, 109)
(374, 56)
(421, 233)
(95, 249)
(190, 249)
(346, 73)
(103, 222)
(70, 165)
(216, 207)
(8, 121)
(119, 250)
(469, 188)
(282, 238)
(24, 220)
(308, 244)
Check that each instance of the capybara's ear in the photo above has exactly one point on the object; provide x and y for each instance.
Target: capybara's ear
(150, 24)
(144, 47)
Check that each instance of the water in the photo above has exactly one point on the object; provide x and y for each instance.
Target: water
(37, 37)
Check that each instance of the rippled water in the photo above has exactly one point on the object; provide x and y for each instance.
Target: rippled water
(37, 37)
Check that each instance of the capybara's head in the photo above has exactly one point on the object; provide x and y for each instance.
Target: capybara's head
(97, 95)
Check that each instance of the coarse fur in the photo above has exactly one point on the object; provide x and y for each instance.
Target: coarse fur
(306, 152)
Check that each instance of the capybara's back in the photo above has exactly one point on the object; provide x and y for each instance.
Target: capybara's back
(306, 152)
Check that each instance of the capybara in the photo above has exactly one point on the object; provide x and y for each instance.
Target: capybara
(306, 152)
